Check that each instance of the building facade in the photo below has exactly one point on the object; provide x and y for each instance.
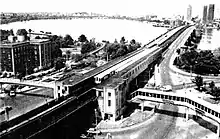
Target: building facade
(204, 18)
(111, 98)
(22, 56)
(211, 13)
(43, 52)
(16, 58)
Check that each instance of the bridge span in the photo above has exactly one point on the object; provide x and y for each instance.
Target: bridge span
(190, 101)
(39, 84)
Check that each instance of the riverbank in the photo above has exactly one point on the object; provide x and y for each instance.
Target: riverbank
(100, 29)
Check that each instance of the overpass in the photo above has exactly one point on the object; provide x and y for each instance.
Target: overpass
(190, 101)
(38, 84)
(28, 83)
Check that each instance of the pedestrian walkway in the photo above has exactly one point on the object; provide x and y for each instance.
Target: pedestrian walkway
(134, 120)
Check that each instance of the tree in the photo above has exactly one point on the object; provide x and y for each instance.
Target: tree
(178, 51)
(212, 84)
(59, 63)
(11, 32)
(82, 38)
(68, 52)
(199, 81)
(68, 40)
(121, 51)
(88, 47)
(133, 42)
(77, 57)
(215, 92)
(22, 32)
(122, 41)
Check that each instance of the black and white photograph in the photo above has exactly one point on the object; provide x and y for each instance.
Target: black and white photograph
(110, 69)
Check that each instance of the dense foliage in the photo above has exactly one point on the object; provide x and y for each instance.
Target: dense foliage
(114, 50)
(203, 62)
(88, 47)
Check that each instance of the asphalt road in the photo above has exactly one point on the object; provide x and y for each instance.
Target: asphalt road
(24, 102)
(161, 123)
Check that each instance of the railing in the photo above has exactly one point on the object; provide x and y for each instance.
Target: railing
(47, 115)
(186, 100)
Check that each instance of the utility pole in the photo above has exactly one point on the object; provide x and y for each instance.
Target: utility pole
(96, 122)
(191, 71)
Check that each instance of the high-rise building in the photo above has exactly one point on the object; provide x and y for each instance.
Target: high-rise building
(189, 13)
(211, 12)
(204, 19)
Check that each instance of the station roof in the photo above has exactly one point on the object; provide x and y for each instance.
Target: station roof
(74, 80)
(112, 82)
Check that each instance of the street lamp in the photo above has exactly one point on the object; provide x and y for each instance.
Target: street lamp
(190, 71)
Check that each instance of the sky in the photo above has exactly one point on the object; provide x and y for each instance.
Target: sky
(112, 7)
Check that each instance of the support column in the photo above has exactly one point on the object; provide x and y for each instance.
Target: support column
(218, 131)
(40, 56)
(6, 114)
(142, 106)
(13, 61)
(187, 113)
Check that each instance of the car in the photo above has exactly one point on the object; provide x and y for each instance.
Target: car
(12, 94)
(94, 131)
(2, 109)
(166, 88)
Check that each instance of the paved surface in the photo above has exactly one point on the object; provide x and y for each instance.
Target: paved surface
(26, 101)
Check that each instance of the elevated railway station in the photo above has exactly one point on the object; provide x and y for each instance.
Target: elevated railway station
(77, 90)
(114, 84)
(190, 101)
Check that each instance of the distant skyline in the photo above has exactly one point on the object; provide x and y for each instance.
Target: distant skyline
(167, 8)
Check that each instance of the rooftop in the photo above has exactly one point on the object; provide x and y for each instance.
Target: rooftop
(10, 44)
(39, 40)
(112, 82)
(7, 43)
(74, 80)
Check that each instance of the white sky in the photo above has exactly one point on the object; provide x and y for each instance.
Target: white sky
(122, 7)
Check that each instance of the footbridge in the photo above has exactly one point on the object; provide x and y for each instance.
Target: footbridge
(190, 101)
(38, 84)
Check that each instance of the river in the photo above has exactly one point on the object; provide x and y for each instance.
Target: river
(100, 29)
(210, 39)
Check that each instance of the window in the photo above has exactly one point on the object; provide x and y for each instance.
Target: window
(109, 103)
(58, 87)
(109, 94)
(100, 93)
(182, 99)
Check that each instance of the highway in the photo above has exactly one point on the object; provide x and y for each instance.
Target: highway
(160, 125)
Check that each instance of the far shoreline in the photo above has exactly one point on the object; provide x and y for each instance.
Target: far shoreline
(70, 18)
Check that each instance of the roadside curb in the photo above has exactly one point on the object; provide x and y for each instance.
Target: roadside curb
(184, 73)
(130, 127)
